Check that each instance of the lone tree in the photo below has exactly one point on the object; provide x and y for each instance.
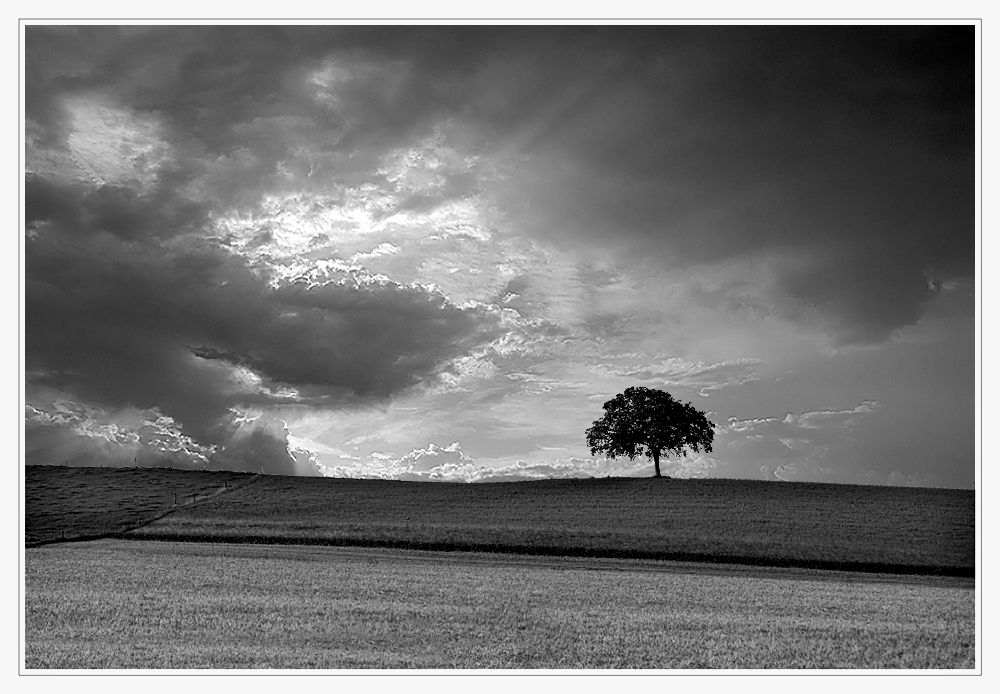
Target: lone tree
(644, 421)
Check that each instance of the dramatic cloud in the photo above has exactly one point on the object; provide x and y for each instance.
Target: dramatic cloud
(849, 159)
(138, 297)
(300, 248)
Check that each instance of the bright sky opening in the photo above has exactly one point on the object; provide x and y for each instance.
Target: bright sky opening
(432, 253)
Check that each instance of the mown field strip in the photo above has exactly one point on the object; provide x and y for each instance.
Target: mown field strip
(116, 604)
(768, 523)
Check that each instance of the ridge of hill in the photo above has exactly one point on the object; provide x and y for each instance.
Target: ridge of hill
(811, 525)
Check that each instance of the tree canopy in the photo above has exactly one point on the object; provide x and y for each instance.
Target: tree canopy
(645, 421)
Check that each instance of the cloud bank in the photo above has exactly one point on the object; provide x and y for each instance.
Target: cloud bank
(233, 232)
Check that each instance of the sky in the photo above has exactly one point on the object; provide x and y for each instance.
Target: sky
(433, 253)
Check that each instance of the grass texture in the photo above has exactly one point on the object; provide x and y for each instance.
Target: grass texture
(116, 604)
(72, 503)
(866, 528)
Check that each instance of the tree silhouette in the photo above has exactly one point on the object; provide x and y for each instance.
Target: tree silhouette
(644, 421)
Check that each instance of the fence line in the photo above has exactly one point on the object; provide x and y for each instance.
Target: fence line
(139, 522)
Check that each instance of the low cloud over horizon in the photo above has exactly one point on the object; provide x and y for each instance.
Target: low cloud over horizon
(432, 253)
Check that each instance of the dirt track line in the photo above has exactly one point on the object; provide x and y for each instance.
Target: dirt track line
(195, 502)
(324, 553)
(578, 552)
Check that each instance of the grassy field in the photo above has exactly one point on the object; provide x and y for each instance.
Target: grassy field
(772, 523)
(80, 502)
(117, 604)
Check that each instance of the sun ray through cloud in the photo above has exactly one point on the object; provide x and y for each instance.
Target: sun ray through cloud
(432, 253)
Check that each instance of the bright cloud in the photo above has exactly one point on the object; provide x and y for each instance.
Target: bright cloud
(345, 258)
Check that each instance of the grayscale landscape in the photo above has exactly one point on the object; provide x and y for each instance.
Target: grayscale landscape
(492, 347)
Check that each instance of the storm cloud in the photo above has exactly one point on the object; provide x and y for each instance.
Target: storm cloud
(230, 227)
(135, 300)
(846, 150)
(845, 155)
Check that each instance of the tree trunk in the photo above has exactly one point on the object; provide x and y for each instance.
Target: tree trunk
(656, 461)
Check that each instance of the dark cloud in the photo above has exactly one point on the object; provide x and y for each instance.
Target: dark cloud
(844, 152)
(116, 315)
(857, 299)
(684, 143)
(244, 98)
(119, 210)
(89, 305)
(128, 304)
(259, 445)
